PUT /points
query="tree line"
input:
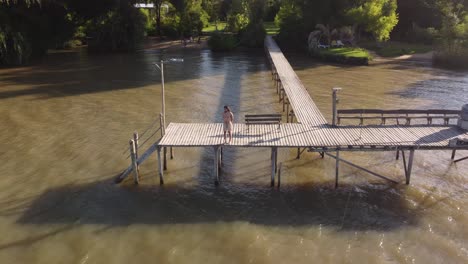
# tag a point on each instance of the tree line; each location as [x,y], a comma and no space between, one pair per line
[29,27]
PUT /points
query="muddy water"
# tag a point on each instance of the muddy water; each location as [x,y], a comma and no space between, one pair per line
[65,127]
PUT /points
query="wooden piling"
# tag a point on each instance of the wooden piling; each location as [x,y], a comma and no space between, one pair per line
[453,154]
[279,174]
[410,166]
[172,153]
[397,154]
[335,102]
[216,168]
[163,132]
[136,140]
[160,167]
[273,165]
[219,158]
[298,153]
[136,178]
[165,157]
[337,168]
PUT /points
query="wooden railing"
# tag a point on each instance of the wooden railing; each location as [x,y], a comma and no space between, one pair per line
[397,115]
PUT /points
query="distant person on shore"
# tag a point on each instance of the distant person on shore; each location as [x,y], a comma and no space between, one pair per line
[228,118]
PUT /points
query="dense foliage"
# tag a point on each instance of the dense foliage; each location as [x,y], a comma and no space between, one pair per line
[29,27]
[222,42]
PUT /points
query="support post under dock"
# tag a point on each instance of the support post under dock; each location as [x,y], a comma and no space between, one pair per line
[410,166]
[160,167]
[274,152]
[337,168]
[216,165]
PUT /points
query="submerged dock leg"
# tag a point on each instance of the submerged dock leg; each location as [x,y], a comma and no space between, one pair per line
[160,167]
[172,152]
[273,165]
[410,166]
[397,155]
[216,167]
[165,158]
[337,168]
[298,153]
[453,154]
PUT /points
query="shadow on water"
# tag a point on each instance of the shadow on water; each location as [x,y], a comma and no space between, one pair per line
[367,207]
[76,73]
[234,71]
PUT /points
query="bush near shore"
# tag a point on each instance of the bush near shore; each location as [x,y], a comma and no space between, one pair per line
[222,42]
[451,59]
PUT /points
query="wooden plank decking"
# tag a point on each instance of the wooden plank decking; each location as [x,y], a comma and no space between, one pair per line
[298,135]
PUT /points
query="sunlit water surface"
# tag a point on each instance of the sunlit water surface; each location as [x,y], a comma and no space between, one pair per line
[65,125]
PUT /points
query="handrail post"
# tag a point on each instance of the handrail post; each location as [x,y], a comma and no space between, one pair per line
[135,139]
[134,161]
[335,102]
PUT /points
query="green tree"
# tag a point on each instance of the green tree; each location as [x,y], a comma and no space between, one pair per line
[193,18]
[378,17]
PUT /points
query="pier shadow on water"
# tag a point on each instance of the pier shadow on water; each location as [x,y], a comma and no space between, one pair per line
[365,207]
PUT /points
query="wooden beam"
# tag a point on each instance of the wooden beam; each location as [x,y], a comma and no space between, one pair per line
[458,160]
[361,168]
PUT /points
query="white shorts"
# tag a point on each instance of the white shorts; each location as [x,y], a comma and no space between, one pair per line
[227,126]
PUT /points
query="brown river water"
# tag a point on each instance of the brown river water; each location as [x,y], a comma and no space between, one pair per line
[66,121]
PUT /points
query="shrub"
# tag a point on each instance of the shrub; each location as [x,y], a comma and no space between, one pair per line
[222,42]
[423,35]
[14,48]
[455,58]
[253,35]
[292,34]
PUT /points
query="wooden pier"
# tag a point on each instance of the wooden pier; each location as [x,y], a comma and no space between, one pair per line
[312,132]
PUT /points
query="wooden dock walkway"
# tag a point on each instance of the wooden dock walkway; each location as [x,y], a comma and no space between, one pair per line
[299,135]
[304,107]
[312,132]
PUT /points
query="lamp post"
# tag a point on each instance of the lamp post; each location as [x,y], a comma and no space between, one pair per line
[161,68]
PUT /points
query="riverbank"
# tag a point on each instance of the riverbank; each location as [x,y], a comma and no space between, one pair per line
[154,43]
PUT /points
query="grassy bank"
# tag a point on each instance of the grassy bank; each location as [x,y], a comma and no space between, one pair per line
[346,55]
[395,49]
[212,27]
[271,28]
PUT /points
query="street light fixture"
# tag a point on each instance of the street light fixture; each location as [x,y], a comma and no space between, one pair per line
[161,67]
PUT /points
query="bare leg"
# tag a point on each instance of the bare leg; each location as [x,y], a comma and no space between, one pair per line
[230,136]
[224,136]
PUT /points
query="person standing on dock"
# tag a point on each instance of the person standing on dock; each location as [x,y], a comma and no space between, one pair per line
[228,118]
